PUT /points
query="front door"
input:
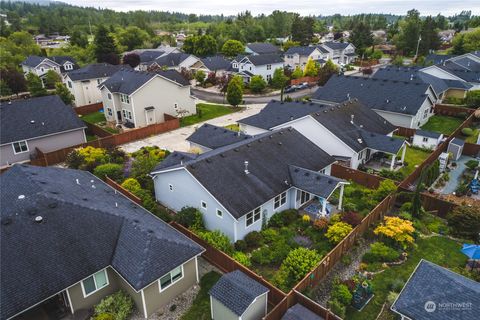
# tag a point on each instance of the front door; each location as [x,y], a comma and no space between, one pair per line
[119,116]
[150,117]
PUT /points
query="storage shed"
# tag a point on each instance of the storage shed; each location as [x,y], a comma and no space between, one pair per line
[427,139]
[456,147]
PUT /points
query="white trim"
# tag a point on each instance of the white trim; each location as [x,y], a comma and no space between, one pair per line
[172,282]
[280,200]
[211,307]
[256,298]
[144,303]
[219,215]
[26,145]
[196,269]
[69,301]
[202,203]
[85,295]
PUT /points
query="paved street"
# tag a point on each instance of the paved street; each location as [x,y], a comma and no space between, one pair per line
[175,140]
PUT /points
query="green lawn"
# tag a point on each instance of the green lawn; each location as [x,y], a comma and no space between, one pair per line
[200,310]
[94,117]
[439,250]
[206,112]
[413,157]
[442,124]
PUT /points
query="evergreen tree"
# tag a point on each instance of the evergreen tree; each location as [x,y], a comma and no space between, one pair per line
[325,72]
[79,39]
[104,45]
[409,34]
[279,81]
[35,85]
[430,38]
[51,78]
[302,30]
[205,46]
[4,89]
[361,37]
[235,91]
[62,91]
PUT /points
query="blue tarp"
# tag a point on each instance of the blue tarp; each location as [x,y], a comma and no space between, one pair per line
[471,250]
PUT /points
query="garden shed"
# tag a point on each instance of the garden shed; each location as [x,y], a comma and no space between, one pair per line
[456,147]
[237,296]
[427,139]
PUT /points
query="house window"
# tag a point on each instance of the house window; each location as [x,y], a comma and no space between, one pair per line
[94,283]
[280,200]
[170,187]
[170,278]
[269,77]
[41,69]
[253,216]
[124,113]
[360,155]
[304,197]
[235,65]
[109,112]
[269,67]
[425,139]
[69,84]
[204,204]
[322,171]
[130,115]
[20,147]
[124,98]
[219,213]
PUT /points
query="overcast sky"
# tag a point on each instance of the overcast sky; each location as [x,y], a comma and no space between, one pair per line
[304,7]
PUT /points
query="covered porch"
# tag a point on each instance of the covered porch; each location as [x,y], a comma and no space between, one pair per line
[386,156]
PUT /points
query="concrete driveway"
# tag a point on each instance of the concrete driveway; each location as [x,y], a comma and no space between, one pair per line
[175,140]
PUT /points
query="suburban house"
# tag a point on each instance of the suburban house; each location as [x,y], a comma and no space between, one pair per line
[148,56]
[138,99]
[40,65]
[83,83]
[257,65]
[241,186]
[427,139]
[236,296]
[209,137]
[444,88]
[340,52]
[350,132]
[299,56]
[217,64]
[434,292]
[465,68]
[176,61]
[69,240]
[261,48]
[403,103]
[299,312]
[46,123]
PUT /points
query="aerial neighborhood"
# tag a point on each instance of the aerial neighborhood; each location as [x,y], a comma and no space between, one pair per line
[164,162]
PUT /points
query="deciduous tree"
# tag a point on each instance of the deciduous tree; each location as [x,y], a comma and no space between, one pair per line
[35,86]
[62,91]
[235,91]
[231,48]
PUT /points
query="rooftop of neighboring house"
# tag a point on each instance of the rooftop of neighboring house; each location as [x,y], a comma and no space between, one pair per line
[355,124]
[390,95]
[214,137]
[428,134]
[433,283]
[461,71]
[299,312]
[263,59]
[263,47]
[172,59]
[335,45]
[95,71]
[434,58]
[237,291]
[301,50]
[25,119]
[60,226]
[62,59]
[414,74]
[468,63]
[33,61]
[127,81]
[269,157]
[150,55]
[215,63]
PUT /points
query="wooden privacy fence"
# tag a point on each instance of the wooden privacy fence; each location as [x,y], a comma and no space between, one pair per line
[304,79]
[405,132]
[89,108]
[58,156]
[122,190]
[225,263]
[96,130]
[451,110]
[365,179]
[431,203]
[471,149]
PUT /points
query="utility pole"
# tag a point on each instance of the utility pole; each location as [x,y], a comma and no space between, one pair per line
[418,45]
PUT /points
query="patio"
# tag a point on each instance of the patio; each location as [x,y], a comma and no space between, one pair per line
[382,160]
[314,209]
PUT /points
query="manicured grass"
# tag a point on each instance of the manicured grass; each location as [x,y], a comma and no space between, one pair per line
[442,124]
[200,309]
[413,157]
[94,117]
[206,112]
[439,250]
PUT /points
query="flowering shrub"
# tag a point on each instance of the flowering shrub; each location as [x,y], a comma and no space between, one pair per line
[321,223]
[397,229]
[338,231]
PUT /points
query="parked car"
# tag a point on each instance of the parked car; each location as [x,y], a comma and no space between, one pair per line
[303,85]
[289,89]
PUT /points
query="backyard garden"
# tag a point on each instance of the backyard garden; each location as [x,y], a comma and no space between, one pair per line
[98,118]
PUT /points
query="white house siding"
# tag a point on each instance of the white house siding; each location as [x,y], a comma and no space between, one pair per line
[220,311]
[397,119]
[251,130]
[45,144]
[187,191]
[431,143]
[41,69]
[439,73]
[262,70]
[85,91]
[113,104]
[257,310]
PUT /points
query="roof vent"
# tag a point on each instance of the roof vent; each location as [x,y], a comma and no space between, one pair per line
[32,121]
[360,140]
[291,118]
[246,167]
[352,116]
[38,219]
[22,196]
[280,143]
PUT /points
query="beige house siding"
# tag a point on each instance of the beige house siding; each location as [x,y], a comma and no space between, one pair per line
[220,312]
[257,309]
[85,92]
[454,93]
[154,299]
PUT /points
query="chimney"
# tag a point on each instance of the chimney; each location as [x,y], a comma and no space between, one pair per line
[246,167]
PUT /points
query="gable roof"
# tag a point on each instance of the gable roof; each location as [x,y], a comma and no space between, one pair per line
[86,226]
[25,119]
[334,45]
[61,60]
[434,58]
[432,283]
[301,50]
[299,312]
[172,59]
[263,47]
[468,63]
[269,156]
[237,291]
[393,96]
[150,55]
[262,59]
[174,76]
[314,182]
[460,71]
[215,63]
[213,137]
[175,159]
[429,134]
[94,71]
[33,61]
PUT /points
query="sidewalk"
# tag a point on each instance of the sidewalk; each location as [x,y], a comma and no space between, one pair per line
[175,140]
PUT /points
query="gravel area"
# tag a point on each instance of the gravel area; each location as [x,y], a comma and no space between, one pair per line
[342,271]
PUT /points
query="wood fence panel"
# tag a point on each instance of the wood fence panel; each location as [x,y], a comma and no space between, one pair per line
[96,130]
[89,108]
[471,149]
[365,179]
[123,191]
[405,132]
[451,110]
[304,79]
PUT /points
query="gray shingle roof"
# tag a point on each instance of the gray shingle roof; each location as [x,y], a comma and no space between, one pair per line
[336,45]
[213,137]
[216,63]
[174,159]
[269,156]
[49,114]
[263,47]
[84,229]
[314,182]
[149,55]
[62,59]
[237,291]
[94,71]
[301,50]
[172,59]
[460,71]
[33,61]
[430,282]
[438,58]
[458,142]
[175,76]
[468,63]
[299,312]
[392,96]
[263,59]
[429,134]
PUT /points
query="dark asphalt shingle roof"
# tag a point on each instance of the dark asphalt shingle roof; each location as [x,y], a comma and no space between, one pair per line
[263,47]
[429,134]
[431,282]
[301,50]
[33,61]
[461,72]
[237,291]
[269,156]
[336,45]
[213,137]
[175,76]
[381,142]
[299,312]
[380,94]
[172,59]
[458,142]
[84,229]
[438,58]
[174,159]
[49,114]
[468,63]
[94,71]
[262,59]
[62,59]
[149,55]
[314,182]
[215,63]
